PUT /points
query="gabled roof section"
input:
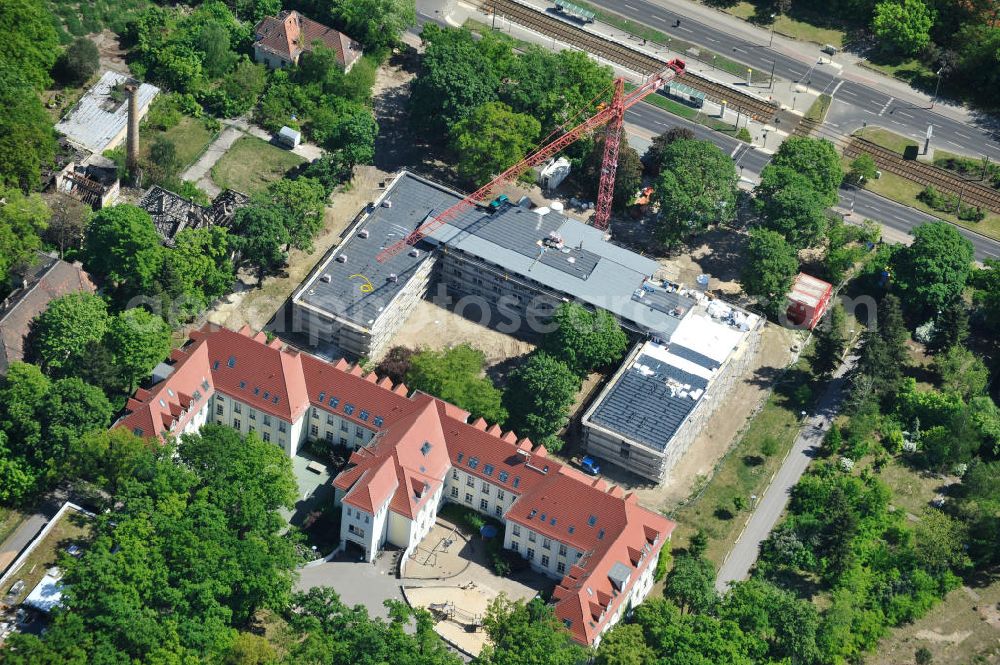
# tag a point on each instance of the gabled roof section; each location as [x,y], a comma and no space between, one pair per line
[374,487]
[49,279]
[289,34]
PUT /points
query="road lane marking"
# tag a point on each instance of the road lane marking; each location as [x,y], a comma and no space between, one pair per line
[685,28]
[962,135]
[953,143]
[631,7]
[867,111]
[837,87]
[735,150]
[848,92]
[904,114]
[887,104]
[658,18]
[738,49]
[712,39]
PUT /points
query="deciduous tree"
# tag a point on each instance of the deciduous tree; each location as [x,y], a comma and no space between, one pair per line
[831,342]
[522,633]
[903,26]
[696,188]
[27,139]
[456,375]
[22,219]
[377,24]
[770,265]
[628,174]
[122,249]
[652,160]
[585,340]
[138,341]
[934,269]
[78,62]
[63,331]
[817,160]
[30,45]
[788,204]
[691,584]
[491,139]
[538,399]
[258,235]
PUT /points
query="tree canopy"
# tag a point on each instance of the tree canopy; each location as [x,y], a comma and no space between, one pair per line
[491,139]
[696,188]
[585,340]
[903,25]
[22,219]
[27,139]
[770,266]
[30,45]
[817,160]
[526,634]
[789,204]
[78,62]
[538,398]
[934,269]
[456,375]
[377,24]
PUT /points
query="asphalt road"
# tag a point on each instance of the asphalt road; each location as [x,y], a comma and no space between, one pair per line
[744,554]
[865,103]
[864,203]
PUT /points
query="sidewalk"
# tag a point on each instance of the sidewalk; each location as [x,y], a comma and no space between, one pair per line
[745,551]
[456,15]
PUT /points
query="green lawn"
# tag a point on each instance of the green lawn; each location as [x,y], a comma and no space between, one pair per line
[886,139]
[747,470]
[817,112]
[9,520]
[914,72]
[251,164]
[190,137]
[796,28]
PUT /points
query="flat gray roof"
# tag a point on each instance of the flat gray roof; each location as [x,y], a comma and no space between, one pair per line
[97,119]
[587,267]
[643,407]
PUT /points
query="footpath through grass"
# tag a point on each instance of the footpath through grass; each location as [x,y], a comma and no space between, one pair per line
[747,469]
[190,137]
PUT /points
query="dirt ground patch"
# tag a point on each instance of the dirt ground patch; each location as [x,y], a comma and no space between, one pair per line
[434,327]
[111,53]
[963,629]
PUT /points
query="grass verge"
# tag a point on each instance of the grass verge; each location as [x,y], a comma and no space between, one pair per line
[914,72]
[797,28]
[888,140]
[10,519]
[904,191]
[748,467]
[817,112]
[688,113]
[251,164]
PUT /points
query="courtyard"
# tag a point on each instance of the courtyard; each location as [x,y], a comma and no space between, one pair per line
[450,574]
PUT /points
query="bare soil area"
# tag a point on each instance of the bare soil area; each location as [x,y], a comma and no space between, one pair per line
[963,629]
[111,53]
[433,327]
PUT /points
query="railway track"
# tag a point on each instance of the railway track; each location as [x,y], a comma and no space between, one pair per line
[970,192]
[758,109]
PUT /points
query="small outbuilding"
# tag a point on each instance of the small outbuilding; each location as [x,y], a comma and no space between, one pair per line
[289,138]
[808,300]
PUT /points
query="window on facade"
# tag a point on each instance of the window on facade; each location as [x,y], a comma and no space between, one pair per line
[253,414]
[329,419]
[561,568]
[516,530]
[515,546]
[237,408]
[218,409]
[545,560]
[359,431]
[454,492]
[267,436]
[366,518]
[531,536]
[343,440]
[454,474]
[470,481]
[500,495]
[486,489]
[498,511]
[329,437]
[468,498]
[315,412]
[314,430]
[623,452]
[343,425]
[236,423]
[282,426]
[531,554]
[546,543]
[484,504]
[562,549]
[267,421]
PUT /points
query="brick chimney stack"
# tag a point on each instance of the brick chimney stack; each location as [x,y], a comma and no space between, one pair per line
[132,140]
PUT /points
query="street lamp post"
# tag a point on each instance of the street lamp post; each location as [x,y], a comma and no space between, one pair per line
[771,41]
[937,86]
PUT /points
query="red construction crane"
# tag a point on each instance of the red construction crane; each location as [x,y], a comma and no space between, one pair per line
[612,115]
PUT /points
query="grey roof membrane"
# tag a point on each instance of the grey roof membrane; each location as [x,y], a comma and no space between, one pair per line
[588,268]
[642,408]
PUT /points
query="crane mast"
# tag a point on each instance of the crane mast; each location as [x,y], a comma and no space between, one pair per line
[613,116]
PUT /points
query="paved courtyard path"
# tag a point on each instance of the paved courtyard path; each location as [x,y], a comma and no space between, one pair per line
[744,554]
[198,172]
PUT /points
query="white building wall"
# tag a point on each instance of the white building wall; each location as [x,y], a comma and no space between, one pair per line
[368,530]
[485,497]
[533,546]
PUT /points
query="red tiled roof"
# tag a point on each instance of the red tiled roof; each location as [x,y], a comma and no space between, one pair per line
[289,34]
[49,280]
[374,487]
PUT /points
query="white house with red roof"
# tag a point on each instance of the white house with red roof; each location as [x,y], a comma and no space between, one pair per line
[280,40]
[413,452]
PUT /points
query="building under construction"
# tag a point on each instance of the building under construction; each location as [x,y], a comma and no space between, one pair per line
[506,265]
